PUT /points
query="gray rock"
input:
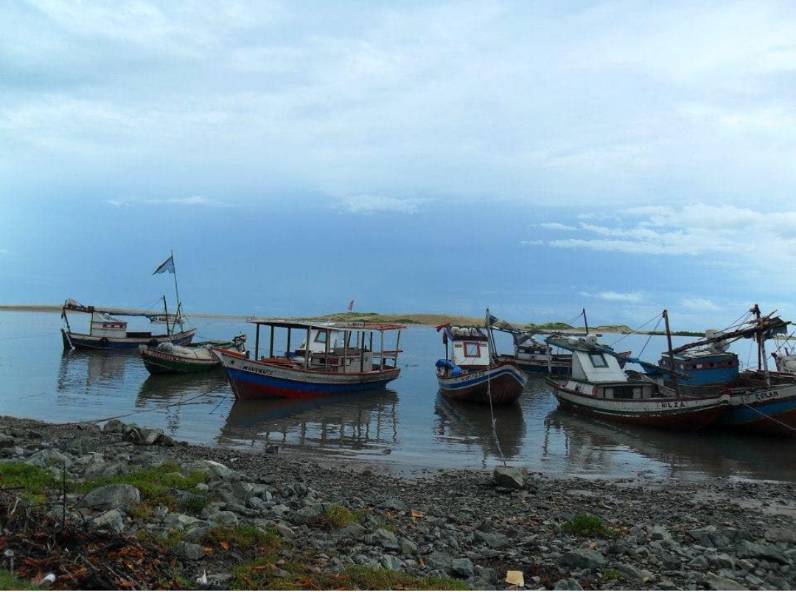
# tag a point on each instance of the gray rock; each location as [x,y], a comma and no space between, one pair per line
[583,559]
[439,560]
[196,532]
[462,568]
[567,584]
[391,562]
[308,514]
[114,426]
[778,534]
[48,458]
[189,551]
[493,540]
[386,539]
[394,504]
[112,520]
[714,582]
[214,470]
[509,477]
[147,437]
[352,531]
[765,551]
[109,497]
[224,518]
[660,533]
[179,521]
[285,530]
[407,547]
[630,572]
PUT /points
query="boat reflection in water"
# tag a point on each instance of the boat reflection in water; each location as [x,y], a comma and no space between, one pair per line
[84,372]
[173,393]
[604,449]
[365,423]
[465,424]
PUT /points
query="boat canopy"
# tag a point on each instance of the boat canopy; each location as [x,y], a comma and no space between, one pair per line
[330,325]
[71,305]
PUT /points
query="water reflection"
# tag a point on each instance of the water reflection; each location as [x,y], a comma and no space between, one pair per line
[468,424]
[82,371]
[606,448]
[173,393]
[362,422]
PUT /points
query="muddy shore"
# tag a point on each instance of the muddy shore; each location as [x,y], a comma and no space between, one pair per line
[222,518]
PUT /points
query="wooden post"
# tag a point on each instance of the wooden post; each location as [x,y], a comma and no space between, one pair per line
[257,343]
[361,338]
[381,349]
[326,350]
[307,352]
[345,351]
[397,346]
[671,354]
[271,344]
[287,351]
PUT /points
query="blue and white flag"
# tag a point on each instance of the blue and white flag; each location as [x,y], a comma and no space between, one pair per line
[167,265]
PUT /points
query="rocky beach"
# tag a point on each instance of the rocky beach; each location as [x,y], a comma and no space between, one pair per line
[121,506]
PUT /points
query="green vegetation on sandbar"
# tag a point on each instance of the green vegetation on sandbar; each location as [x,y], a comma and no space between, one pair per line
[9,581]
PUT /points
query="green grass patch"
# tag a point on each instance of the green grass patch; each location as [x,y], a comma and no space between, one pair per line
[167,539]
[192,504]
[9,581]
[33,481]
[263,574]
[154,483]
[338,516]
[589,525]
[243,537]
[611,574]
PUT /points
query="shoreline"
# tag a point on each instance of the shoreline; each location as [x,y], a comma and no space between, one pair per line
[359,526]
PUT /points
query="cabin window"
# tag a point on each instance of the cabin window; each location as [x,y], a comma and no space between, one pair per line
[598,361]
[320,337]
[623,392]
[472,350]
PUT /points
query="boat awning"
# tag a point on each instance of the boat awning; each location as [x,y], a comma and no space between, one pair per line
[330,325]
[125,312]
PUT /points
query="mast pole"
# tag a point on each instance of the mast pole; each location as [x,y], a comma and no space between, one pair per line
[166,310]
[671,354]
[762,362]
[176,293]
[585,321]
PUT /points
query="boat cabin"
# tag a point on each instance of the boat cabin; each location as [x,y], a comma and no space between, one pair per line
[466,346]
[334,347]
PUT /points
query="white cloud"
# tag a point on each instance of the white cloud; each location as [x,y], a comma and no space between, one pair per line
[699,304]
[557,226]
[371,204]
[193,200]
[611,296]
[531,243]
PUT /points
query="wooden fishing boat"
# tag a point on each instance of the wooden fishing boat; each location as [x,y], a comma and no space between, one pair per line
[109,333]
[106,332]
[472,372]
[761,401]
[168,358]
[335,358]
[600,388]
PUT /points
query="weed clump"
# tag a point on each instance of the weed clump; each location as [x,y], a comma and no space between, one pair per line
[589,525]
[338,516]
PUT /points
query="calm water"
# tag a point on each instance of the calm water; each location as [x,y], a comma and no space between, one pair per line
[408,425]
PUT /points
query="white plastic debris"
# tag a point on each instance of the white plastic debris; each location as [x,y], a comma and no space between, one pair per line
[515,578]
[47,580]
[203,578]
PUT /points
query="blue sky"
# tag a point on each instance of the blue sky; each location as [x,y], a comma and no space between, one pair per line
[533,157]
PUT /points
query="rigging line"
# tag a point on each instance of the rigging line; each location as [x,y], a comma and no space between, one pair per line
[649,337]
[637,329]
[492,413]
[739,321]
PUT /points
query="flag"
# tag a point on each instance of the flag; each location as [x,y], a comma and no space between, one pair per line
[351,306]
[167,265]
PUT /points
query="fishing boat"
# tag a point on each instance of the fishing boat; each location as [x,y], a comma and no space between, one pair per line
[167,358]
[761,401]
[471,370]
[601,388]
[335,358]
[106,332]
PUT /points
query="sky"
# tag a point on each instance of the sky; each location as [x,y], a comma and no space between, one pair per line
[533,157]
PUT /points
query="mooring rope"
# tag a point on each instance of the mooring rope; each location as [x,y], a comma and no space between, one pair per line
[492,414]
[774,419]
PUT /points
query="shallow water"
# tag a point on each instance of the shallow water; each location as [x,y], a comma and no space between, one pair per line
[409,425]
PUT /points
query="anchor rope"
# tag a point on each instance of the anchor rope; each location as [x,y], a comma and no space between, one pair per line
[492,414]
[774,419]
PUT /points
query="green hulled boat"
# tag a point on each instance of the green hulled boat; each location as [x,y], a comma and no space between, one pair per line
[167,358]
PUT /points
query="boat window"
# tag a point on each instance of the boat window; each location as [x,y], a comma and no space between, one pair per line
[598,361]
[320,337]
[472,350]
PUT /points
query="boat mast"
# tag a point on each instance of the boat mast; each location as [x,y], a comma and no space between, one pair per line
[762,362]
[490,336]
[176,294]
[585,320]
[166,311]
[671,353]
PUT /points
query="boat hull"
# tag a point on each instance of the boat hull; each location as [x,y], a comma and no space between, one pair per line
[92,342]
[686,414]
[158,362]
[504,383]
[253,380]
[768,412]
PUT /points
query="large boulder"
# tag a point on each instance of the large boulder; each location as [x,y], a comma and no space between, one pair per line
[48,458]
[110,497]
[214,470]
[583,559]
[462,568]
[112,520]
[510,477]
